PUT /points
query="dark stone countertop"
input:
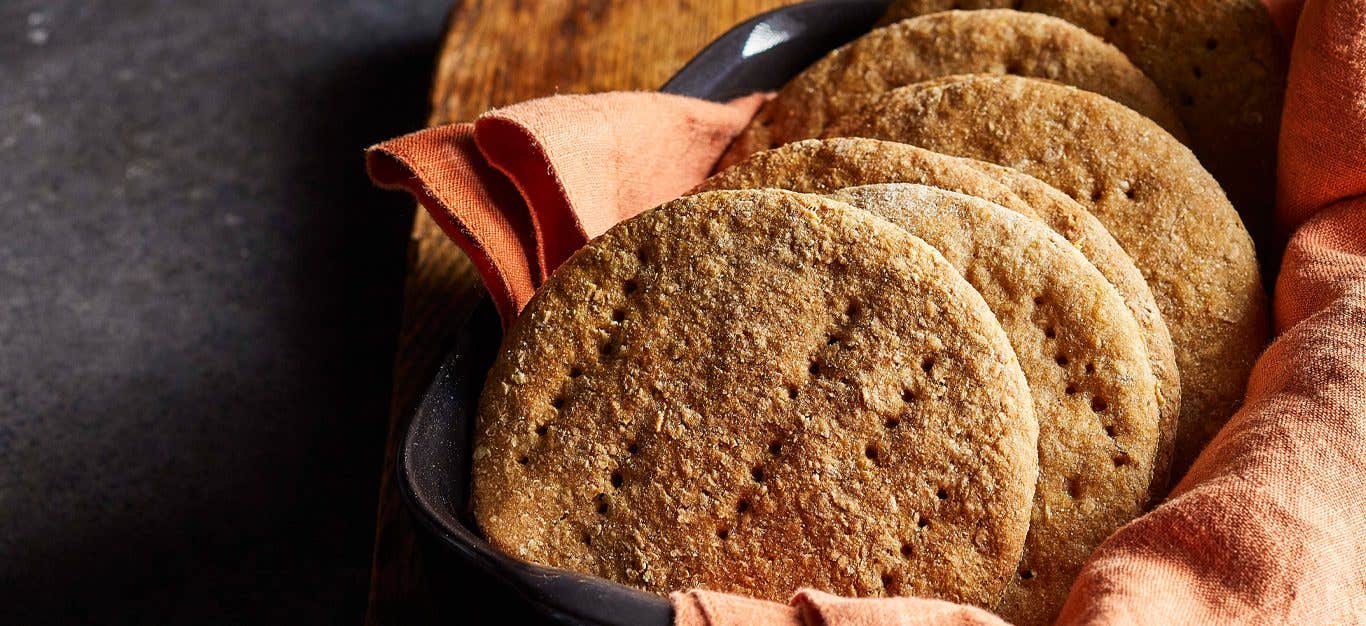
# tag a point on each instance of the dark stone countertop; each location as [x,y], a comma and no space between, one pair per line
[199,293]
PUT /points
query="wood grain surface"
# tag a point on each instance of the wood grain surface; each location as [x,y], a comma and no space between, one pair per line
[497,52]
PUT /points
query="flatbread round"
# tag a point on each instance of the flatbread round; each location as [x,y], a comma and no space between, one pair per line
[1220,63]
[756,391]
[1145,187]
[1071,220]
[1094,391]
[944,44]
[825,165]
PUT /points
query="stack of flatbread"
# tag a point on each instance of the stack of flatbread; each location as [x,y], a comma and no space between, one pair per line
[959,303]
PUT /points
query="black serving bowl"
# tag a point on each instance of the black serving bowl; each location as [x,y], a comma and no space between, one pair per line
[760,54]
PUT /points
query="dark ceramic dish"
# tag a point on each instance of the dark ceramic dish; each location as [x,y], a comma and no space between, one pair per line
[760,54]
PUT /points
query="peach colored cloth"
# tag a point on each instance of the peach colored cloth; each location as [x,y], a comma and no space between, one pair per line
[522,187]
[1269,525]
[815,608]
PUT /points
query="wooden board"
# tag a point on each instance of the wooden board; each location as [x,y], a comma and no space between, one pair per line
[497,52]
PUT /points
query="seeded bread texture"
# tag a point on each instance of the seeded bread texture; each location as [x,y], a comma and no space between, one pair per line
[943,44]
[1145,187]
[825,165]
[1071,220]
[756,391]
[1094,392]
[1220,63]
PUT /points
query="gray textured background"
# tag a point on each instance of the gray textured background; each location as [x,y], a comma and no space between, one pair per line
[198,298]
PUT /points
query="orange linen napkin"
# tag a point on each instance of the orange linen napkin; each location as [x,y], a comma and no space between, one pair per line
[1269,525]
[523,187]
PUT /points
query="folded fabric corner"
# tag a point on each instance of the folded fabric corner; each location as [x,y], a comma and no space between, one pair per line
[709,608]
[525,186]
